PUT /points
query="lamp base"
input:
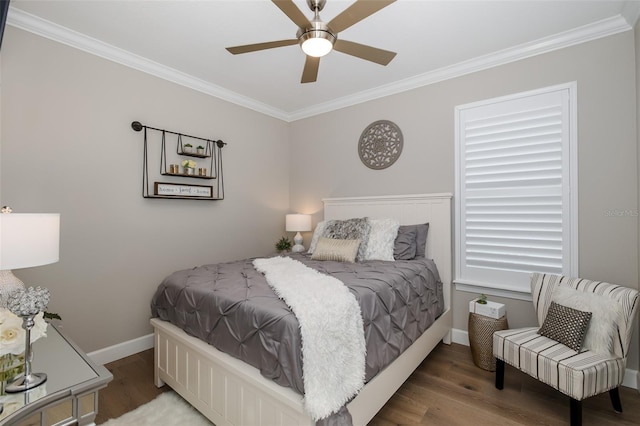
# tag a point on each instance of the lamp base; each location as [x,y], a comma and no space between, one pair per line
[8,284]
[298,247]
[26,382]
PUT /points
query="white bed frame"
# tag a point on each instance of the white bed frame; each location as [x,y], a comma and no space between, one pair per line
[230,392]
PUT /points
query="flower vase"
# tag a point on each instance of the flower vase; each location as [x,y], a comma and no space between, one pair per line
[11,366]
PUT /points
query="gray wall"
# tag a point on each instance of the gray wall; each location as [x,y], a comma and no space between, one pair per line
[325,161]
[68,148]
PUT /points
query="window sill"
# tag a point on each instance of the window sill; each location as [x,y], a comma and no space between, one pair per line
[494,290]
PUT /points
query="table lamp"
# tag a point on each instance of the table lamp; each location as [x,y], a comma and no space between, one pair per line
[26,240]
[298,223]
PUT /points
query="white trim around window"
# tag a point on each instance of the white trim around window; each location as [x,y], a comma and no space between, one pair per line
[516,186]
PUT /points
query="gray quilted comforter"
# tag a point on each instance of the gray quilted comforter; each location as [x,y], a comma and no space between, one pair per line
[231,306]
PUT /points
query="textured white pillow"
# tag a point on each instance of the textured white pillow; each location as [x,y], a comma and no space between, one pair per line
[606,313]
[316,234]
[381,239]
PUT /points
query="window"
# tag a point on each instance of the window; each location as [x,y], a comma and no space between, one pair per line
[516,176]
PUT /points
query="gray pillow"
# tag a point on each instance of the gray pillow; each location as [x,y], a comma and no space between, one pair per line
[411,242]
[421,240]
[565,325]
[350,229]
[404,247]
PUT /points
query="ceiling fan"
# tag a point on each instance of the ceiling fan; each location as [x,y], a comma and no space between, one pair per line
[318,38]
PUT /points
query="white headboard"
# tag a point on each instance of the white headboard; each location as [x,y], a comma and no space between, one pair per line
[409,210]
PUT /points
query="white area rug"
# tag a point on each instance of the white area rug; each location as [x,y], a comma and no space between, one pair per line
[168,409]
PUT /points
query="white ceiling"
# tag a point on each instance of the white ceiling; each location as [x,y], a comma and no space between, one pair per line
[184,41]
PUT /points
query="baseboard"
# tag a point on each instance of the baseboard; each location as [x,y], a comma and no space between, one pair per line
[631,377]
[460,337]
[121,350]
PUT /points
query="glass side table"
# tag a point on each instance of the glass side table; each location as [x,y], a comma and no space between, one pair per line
[70,394]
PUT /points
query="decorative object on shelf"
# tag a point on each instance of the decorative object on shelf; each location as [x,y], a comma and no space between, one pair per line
[200,150]
[212,151]
[189,167]
[380,144]
[26,240]
[27,303]
[298,223]
[283,245]
[187,148]
[182,190]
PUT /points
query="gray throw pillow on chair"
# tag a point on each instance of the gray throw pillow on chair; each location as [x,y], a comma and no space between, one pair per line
[565,325]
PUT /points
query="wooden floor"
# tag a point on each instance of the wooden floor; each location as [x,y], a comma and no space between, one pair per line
[447,389]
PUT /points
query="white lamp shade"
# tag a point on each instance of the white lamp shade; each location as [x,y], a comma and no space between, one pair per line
[298,223]
[28,240]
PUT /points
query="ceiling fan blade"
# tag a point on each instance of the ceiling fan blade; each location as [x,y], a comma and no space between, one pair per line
[261,46]
[362,51]
[291,10]
[356,13]
[310,72]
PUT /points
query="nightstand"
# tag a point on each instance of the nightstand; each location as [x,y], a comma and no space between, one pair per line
[70,394]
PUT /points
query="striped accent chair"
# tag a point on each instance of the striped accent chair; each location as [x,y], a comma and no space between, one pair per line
[576,374]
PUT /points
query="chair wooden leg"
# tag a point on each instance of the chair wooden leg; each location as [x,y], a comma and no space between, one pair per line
[576,412]
[615,400]
[499,374]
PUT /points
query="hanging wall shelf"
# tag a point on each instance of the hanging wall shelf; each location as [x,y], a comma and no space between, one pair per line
[182,166]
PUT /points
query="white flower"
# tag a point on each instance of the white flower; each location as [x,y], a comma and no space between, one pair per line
[12,335]
[189,164]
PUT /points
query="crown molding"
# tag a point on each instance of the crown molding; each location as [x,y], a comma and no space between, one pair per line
[596,30]
[606,27]
[631,12]
[47,29]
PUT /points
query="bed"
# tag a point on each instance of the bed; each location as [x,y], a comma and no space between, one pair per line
[231,392]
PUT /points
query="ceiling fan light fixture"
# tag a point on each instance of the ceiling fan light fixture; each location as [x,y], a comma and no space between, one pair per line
[317,43]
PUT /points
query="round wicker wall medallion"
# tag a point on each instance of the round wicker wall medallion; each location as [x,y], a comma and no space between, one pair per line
[380,144]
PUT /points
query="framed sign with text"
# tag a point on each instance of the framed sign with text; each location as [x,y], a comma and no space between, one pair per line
[181,190]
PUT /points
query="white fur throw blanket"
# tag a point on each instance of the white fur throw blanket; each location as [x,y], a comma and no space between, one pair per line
[333,345]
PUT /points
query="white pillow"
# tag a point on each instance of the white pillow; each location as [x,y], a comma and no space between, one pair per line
[605,315]
[381,239]
[316,234]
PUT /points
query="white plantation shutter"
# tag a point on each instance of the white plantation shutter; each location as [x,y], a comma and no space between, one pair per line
[514,183]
